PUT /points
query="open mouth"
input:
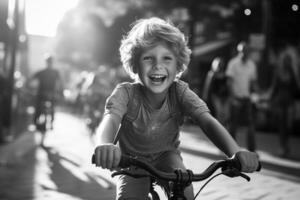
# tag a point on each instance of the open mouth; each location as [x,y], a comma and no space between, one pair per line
[157,78]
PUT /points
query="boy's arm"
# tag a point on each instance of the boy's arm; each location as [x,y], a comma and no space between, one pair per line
[107,155]
[221,138]
[217,134]
[108,129]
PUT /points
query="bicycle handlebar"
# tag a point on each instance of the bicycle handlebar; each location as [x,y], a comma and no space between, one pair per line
[230,167]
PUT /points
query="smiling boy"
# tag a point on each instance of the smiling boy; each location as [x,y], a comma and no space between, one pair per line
[144,116]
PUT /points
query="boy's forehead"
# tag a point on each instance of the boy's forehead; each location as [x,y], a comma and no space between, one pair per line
[162,45]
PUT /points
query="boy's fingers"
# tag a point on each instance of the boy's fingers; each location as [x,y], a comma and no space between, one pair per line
[110,158]
[254,162]
[107,156]
[248,161]
[117,157]
[97,157]
[103,158]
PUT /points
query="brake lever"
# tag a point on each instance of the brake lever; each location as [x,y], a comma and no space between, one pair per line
[245,176]
[235,173]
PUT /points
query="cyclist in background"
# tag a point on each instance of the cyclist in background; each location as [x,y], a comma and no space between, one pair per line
[49,86]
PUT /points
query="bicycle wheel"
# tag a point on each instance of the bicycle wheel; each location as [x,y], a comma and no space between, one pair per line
[41,122]
[153,195]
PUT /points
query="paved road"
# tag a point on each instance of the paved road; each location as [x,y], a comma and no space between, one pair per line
[63,171]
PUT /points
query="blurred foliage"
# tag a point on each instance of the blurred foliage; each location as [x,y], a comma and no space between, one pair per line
[90,34]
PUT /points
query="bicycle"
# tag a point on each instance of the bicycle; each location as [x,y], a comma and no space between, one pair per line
[44,119]
[179,179]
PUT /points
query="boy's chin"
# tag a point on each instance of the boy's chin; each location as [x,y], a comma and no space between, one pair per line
[158,89]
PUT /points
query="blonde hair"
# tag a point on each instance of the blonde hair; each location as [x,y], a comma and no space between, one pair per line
[147,33]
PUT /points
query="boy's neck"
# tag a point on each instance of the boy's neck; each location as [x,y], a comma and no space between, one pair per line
[155,100]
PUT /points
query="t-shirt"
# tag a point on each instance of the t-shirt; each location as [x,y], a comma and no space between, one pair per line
[154,130]
[242,74]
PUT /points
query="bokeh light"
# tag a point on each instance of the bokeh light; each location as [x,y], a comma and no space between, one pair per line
[295,7]
[247,12]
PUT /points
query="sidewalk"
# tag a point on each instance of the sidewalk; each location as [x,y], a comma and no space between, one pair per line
[194,141]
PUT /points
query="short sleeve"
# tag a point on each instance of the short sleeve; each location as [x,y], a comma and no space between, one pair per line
[191,103]
[117,102]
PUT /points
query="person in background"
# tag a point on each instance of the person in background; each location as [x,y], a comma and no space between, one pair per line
[49,87]
[144,116]
[241,75]
[215,92]
[3,97]
[291,51]
[281,94]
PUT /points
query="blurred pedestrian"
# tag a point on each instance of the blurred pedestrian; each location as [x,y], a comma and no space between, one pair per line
[3,98]
[49,86]
[102,84]
[285,83]
[242,75]
[215,91]
[290,50]
[81,89]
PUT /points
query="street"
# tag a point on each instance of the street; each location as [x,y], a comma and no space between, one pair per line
[63,170]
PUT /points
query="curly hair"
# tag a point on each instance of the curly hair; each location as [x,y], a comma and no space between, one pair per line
[147,33]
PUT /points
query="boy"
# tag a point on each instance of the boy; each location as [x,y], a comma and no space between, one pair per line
[144,116]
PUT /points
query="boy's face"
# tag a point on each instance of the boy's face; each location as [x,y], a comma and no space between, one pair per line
[157,68]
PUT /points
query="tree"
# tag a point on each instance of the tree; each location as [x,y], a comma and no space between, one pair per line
[81,39]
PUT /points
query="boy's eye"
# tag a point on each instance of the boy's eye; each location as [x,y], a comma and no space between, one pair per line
[147,58]
[168,58]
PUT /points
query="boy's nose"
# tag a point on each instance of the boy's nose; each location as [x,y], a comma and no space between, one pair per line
[157,65]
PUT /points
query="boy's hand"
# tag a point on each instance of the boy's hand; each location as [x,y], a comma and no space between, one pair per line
[107,156]
[248,160]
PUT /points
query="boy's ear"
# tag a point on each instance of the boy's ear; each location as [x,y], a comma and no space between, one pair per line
[178,69]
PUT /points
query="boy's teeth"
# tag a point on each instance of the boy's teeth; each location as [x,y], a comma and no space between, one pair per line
[157,76]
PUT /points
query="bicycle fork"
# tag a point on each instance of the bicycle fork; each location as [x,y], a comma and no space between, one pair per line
[177,191]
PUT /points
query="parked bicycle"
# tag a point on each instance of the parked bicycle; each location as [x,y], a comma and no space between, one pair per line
[179,179]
